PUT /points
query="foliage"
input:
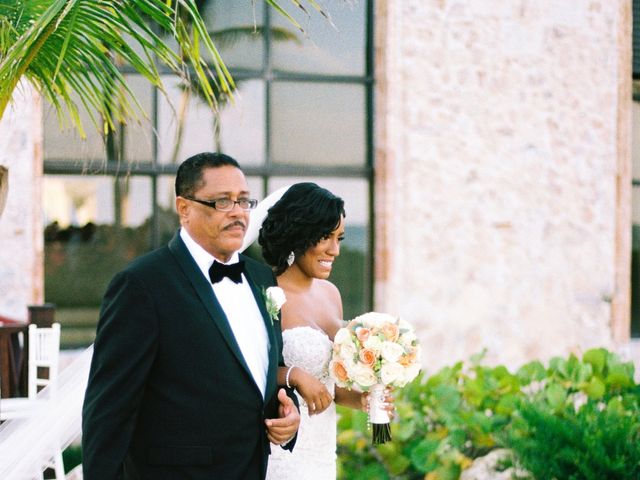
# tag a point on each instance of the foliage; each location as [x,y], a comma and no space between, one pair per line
[597,441]
[71,47]
[69,51]
[466,410]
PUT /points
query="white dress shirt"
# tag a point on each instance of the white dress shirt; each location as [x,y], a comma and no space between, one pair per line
[242,311]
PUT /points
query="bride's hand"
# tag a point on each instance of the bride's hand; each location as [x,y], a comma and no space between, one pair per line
[313,391]
[388,404]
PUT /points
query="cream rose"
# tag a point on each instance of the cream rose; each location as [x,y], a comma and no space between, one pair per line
[373,343]
[391,372]
[391,352]
[363,375]
[343,336]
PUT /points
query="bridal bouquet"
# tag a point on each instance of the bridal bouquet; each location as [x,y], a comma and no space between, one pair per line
[374,351]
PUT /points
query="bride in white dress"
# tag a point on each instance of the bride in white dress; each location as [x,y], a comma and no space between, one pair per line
[300,239]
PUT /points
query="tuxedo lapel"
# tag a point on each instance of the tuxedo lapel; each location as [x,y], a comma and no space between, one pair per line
[205,294]
[273,351]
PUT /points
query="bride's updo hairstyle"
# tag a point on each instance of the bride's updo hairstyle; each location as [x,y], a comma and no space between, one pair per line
[304,215]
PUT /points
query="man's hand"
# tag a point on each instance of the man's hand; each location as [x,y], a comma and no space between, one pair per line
[281,430]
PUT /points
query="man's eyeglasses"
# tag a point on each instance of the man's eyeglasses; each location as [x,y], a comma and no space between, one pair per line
[226,204]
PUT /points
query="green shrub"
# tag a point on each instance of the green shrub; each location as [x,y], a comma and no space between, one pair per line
[466,410]
[595,442]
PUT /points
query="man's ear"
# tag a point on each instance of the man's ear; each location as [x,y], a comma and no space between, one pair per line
[182,207]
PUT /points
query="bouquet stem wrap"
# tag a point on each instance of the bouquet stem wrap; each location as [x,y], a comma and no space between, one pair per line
[378,416]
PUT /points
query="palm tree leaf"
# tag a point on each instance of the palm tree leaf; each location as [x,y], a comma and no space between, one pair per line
[56,44]
[69,50]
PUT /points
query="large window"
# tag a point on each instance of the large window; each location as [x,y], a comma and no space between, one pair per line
[303,111]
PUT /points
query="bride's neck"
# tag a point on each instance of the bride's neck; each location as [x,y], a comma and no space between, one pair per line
[295,278]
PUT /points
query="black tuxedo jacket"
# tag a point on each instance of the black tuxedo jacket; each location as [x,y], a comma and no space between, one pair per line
[169,394]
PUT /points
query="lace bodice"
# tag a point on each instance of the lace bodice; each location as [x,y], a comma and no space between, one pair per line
[314,455]
[310,349]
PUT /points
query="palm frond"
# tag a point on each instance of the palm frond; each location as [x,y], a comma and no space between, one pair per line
[69,49]
[228,36]
[69,46]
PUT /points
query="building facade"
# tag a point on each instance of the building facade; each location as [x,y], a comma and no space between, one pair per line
[493,164]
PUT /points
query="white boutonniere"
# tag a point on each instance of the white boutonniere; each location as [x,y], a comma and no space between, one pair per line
[274,298]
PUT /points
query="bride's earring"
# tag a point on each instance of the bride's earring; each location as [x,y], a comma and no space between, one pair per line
[291,258]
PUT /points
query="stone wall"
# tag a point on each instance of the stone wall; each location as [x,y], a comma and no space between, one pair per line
[498,150]
[21,241]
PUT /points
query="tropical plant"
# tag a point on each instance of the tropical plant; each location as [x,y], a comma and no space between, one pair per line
[464,411]
[68,49]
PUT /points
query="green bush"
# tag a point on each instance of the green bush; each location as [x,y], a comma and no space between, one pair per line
[466,410]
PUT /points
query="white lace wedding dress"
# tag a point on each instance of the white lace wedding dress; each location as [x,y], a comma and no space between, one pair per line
[314,455]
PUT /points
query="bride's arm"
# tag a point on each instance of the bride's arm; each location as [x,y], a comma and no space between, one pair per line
[360,400]
[312,390]
[351,398]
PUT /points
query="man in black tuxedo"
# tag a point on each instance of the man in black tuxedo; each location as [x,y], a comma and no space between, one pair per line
[183,376]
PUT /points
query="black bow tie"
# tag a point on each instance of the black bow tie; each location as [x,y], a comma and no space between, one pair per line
[218,271]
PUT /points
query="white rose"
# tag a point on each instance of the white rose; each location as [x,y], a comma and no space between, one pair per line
[347,352]
[410,373]
[343,336]
[375,319]
[390,372]
[363,375]
[373,343]
[391,352]
[407,338]
[277,296]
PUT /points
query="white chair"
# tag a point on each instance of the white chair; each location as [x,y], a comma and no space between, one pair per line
[44,355]
[43,360]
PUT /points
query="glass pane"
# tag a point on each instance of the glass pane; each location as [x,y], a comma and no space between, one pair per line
[319,124]
[351,271]
[63,143]
[185,124]
[236,31]
[138,133]
[95,225]
[242,129]
[635,265]
[326,49]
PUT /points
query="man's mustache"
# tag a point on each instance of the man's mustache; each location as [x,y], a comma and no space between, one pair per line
[237,223]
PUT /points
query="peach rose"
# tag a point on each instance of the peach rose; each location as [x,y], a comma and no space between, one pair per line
[339,371]
[391,331]
[363,334]
[368,357]
[407,359]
